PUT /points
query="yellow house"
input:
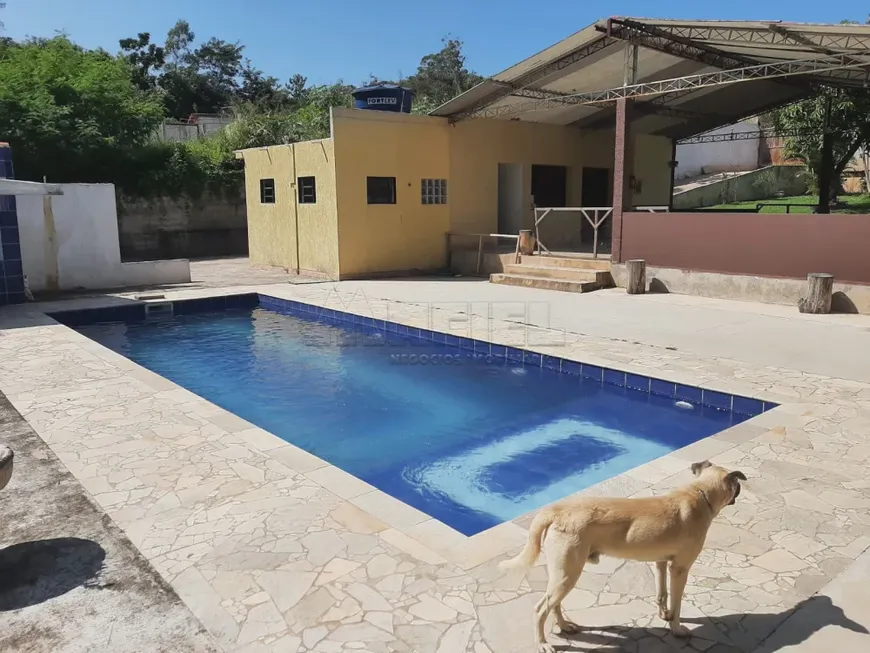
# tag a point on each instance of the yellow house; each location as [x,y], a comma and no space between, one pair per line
[379,196]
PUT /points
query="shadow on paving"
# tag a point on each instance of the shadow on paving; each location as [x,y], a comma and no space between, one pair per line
[733,633]
[33,572]
[70,580]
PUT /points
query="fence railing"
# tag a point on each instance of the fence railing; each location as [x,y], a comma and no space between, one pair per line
[594,215]
[480,240]
[653,209]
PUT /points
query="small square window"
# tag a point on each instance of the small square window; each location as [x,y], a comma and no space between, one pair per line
[433,191]
[381,190]
[267,191]
[307,190]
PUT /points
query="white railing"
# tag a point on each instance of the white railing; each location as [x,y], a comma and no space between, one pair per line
[653,209]
[595,216]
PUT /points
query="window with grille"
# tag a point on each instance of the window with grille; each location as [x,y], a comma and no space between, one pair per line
[433,191]
[307,190]
[267,191]
[381,190]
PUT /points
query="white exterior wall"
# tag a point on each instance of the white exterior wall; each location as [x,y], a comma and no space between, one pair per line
[70,242]
[725,156]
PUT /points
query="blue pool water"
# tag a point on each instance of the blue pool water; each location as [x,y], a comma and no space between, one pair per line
[470,441]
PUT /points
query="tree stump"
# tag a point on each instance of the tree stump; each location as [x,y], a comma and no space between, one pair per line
[820,287]
[636,270]
[527,242]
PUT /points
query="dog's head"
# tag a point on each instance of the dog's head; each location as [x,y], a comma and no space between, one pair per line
[728,483]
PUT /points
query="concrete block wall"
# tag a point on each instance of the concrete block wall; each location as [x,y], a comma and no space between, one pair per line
[11,269]
[166,228]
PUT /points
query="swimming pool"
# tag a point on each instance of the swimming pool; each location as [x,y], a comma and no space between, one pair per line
[471,437]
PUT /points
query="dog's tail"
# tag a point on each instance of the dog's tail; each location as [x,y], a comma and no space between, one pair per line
[530,553]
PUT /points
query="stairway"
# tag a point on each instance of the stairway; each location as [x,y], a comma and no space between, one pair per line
[565,273]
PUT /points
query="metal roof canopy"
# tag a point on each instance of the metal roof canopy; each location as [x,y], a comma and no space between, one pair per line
[684,77]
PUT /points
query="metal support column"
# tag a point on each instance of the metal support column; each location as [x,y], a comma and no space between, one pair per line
[623,154]
[630,71]
[623,164]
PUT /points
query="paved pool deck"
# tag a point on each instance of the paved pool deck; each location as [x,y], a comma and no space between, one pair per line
[274,550]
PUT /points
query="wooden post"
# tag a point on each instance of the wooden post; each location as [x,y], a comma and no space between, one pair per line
[820,287]
[479,253]
[636,270]
[527,243]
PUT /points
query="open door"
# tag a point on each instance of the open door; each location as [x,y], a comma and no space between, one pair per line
[510,198]
[595,192]
[549,186]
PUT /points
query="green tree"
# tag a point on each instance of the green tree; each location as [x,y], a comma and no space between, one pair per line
[203,79]
[844,113]
[263,90]
[68,111]
[849,124]
[443,75]
[145,59]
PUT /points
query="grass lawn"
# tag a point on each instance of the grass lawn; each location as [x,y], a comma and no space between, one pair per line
[803,204]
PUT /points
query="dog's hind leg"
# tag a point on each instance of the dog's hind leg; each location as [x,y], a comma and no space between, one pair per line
[679,574]
[565,561]
[662,587]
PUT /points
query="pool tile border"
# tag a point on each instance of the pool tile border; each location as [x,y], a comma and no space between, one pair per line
[741,405]
[134,311]
[466,551]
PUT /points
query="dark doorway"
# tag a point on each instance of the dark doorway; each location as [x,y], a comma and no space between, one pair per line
[549,186]
[596,192]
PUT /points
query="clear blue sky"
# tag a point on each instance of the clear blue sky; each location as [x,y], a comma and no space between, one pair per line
[327,40]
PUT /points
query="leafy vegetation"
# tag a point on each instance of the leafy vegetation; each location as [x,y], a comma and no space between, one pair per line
[849,123]
[845,113]
[78,115]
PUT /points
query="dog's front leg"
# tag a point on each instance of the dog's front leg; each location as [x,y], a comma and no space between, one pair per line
[679,574]
[662,587]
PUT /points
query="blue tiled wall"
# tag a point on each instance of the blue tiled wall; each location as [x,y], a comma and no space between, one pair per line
[11,270]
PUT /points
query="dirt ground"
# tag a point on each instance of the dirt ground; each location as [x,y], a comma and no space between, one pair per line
[70,580]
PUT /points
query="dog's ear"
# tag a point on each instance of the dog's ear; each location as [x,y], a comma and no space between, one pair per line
[697,468]
[738,475]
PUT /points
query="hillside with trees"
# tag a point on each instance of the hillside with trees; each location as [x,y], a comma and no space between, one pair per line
[79,115]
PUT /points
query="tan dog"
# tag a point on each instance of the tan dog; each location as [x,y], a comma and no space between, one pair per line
[666,529]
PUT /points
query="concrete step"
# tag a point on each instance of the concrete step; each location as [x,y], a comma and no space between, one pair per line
[568,262]
[543,284]
[554,272]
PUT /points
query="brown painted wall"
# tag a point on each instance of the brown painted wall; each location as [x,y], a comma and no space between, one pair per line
[772,245]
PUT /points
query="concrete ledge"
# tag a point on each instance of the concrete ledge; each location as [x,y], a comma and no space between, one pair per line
[147,273]
[848,298]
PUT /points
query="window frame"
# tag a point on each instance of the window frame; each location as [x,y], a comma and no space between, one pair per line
[394,189]
[303,196]
[433,192]
[264,189]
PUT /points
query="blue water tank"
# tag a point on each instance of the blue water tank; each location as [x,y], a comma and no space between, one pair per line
[384,97]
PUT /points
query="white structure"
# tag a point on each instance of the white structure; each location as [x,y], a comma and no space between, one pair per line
[17,187]
[197,126]
[69,241]
[698,159]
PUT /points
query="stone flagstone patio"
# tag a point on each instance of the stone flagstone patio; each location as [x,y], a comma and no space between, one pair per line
[273,549]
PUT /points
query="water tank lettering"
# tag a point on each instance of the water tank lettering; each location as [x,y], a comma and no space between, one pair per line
[383,97]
